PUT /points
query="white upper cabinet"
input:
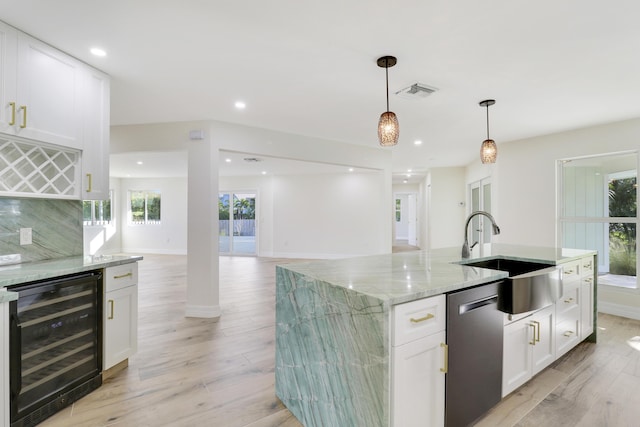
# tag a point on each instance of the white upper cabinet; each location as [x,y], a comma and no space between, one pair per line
[8,70]
[42,91]
[95,135]
[50,97]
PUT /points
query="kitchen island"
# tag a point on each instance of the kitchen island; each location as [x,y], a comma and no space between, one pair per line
[336,337]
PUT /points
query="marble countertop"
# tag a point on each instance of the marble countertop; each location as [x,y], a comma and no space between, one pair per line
[31,271]
[407,276]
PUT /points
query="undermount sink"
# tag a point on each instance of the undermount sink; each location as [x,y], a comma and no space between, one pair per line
[530,285]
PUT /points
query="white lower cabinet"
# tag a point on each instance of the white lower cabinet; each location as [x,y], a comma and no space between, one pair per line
[568,311]
[528,348]
[418,363]
[120,322]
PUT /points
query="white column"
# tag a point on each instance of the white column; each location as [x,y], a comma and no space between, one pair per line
[203,288]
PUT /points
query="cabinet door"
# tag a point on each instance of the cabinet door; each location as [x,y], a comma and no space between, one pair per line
[516,366]
[8,45]
[95,136]
[544,350]
[418,382]
[120,325]
[586,297]
[48,94]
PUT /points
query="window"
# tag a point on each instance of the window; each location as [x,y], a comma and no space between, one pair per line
[144,207]
[398,210]
[598,210]
[97,212]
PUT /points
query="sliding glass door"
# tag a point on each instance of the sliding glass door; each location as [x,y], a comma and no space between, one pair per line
[237,223]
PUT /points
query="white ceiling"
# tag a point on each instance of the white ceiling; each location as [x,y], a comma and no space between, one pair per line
[310,67]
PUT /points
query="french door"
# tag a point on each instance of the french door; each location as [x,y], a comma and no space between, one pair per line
[237,223]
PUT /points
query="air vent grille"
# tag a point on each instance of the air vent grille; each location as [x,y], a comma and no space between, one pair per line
[416,91]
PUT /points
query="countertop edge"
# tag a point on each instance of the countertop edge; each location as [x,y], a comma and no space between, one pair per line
[41,270]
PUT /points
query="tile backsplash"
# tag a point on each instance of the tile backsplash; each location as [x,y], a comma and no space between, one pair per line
[56,227]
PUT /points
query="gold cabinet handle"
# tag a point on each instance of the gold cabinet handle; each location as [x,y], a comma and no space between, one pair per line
[422,319]
[589,279]
[24,116]
[538,330]
[568,272]
[568,333]
[445,369]
[110,309]
[533,338]
[569,301]
[122,276]
[13,113]
[587,265]
[89,182]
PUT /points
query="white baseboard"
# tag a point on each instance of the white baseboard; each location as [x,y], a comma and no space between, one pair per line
[203,311]
[155,251]
[619,310]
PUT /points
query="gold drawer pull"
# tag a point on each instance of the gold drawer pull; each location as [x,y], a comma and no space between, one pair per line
[422,319]
[568,333]
[569,301]
[24,116]
[533,338]
[568,272]
[587,266]
[129,274]
[538,330]
[110,309]
[445,369]
[13,113]
[89,183]
[589,279]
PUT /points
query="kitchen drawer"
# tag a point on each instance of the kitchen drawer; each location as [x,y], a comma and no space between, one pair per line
[586,266]
[568,306]
[571,271]
[567,335]
[418,319]
[121,276]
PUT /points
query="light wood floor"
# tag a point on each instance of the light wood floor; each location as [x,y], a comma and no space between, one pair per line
[201,372]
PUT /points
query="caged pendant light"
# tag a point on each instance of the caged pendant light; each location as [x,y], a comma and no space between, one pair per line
[489,149]
[388,127]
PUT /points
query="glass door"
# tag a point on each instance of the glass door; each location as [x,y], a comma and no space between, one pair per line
[237,223]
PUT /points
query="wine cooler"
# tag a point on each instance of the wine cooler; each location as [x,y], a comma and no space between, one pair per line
[55,345]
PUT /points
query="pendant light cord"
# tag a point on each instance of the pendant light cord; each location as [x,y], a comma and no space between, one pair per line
[386,69]
[488,121]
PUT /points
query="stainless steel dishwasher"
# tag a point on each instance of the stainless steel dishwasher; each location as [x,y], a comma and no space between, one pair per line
[473,383]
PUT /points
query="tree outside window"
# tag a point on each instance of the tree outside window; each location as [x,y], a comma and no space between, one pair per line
[144,206]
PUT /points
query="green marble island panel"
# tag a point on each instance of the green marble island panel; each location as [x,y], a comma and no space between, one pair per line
[332,353]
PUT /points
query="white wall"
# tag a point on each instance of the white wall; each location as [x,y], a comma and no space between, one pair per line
[446,207]
[524,189]
[169,237]
[355,210]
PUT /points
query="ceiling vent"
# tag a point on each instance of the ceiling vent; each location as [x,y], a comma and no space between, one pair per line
[252,159]
[416,91]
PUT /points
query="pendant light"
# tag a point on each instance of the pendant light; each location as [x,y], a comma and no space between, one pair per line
[489,149]
[388,127]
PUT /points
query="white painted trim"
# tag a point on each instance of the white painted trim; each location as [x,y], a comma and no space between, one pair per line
[154,251]
[203,311]
[619,310]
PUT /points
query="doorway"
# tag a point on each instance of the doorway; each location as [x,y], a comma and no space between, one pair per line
[406,218]
[237,223]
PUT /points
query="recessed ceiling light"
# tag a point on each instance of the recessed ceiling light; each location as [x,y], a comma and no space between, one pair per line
[227,160]
[264,172]
[240,105]
[417,142]
[96,51]
[138,162]
[350,169]
[404,181]
[409,170]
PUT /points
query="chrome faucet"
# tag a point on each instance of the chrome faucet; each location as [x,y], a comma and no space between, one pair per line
[465,246]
